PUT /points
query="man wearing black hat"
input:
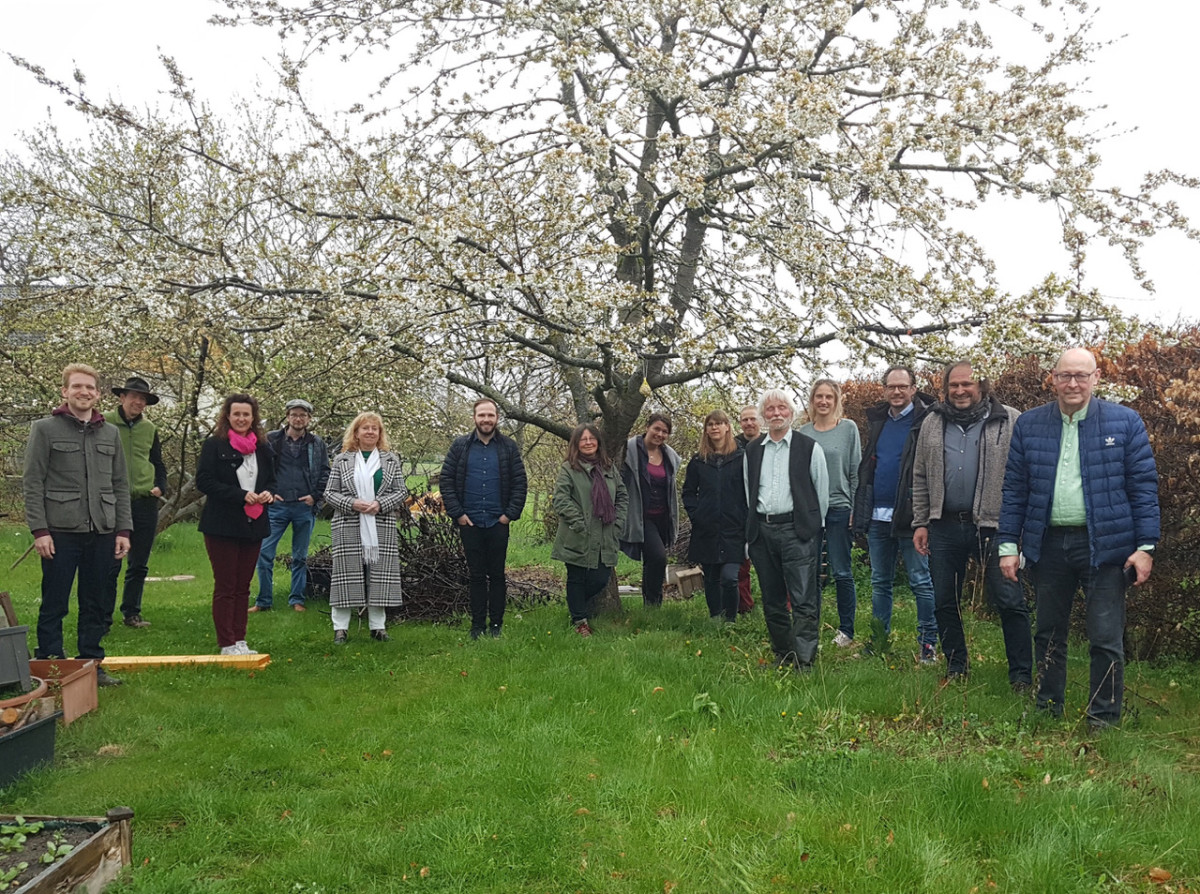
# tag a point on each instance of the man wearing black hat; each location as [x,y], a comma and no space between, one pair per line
[301,473]
[147,485]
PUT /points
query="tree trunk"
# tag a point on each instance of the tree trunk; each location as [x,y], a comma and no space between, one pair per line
[609,602]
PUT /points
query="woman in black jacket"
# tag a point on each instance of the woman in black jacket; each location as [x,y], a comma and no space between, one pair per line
[714,495]
[237,474]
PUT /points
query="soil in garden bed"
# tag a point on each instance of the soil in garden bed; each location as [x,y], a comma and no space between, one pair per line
[53,833]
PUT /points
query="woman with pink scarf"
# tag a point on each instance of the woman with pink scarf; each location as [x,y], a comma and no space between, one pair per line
[237,474]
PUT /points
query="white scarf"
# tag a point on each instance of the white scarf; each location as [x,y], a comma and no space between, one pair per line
[364,486]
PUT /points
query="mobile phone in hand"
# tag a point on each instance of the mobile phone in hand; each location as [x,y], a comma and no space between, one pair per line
[1130,575]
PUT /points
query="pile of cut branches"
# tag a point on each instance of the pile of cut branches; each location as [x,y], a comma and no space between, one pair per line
[433,571]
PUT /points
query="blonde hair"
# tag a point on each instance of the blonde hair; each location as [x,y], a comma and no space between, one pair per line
[350,439]
[708,447]
[72,368]
[837,397]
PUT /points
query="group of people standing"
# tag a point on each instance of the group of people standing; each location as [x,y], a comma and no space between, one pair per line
[1069,486]
[92,484]
[257,484]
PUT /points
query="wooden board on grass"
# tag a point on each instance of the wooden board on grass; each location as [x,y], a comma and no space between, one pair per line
[138,662]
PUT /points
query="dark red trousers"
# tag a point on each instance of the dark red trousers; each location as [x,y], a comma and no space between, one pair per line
[233,561]
[745,600]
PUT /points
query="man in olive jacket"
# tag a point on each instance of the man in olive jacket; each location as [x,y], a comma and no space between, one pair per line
[147,485]
[77,506]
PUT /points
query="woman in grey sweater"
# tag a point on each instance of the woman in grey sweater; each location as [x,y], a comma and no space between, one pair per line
[840,440]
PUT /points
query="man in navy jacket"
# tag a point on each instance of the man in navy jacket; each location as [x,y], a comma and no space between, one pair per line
[483,488]
[301,473]
[883,503]
[1081,499]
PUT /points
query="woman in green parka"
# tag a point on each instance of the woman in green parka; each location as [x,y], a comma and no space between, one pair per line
[590,500]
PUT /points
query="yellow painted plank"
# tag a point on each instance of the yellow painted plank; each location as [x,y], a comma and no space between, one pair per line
[137,662]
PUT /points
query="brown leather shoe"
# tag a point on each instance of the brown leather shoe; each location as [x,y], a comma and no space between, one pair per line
[256,608]
[299,607]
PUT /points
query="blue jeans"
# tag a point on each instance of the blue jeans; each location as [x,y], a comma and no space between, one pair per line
[301,517]
[1064,567]
[788,570]
[951,544]
[837,544]
[883,549]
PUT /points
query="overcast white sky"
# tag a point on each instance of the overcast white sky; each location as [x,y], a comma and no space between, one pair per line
[1146,81]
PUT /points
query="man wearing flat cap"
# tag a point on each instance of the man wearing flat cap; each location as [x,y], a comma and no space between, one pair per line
[147,485]
[301,473]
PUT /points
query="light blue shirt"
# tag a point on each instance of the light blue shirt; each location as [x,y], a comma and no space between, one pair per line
[774,486]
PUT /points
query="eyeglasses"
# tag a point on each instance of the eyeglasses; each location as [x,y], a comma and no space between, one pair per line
[1080,378]
[897,387]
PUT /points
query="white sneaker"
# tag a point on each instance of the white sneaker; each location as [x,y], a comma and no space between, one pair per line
[242,648]
[229,650]
[842,641]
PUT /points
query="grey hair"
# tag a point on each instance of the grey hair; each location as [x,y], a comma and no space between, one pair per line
[775,395]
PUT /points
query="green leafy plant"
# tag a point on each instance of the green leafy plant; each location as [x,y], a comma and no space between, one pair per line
[880,643]
[7,875]
[14,835]
[56,848]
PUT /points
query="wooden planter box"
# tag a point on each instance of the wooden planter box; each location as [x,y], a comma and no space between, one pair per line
[14,657]
[94,863]
[72,682]
[687,578]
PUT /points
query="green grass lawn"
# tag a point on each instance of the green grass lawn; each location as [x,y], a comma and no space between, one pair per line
[658,756]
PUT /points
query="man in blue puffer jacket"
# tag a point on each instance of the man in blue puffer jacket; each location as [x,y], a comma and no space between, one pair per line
[1081,499]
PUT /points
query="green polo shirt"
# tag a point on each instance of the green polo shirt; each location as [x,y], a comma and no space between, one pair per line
[1067,508]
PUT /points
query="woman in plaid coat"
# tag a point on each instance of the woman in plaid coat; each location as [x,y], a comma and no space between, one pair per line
[366,489]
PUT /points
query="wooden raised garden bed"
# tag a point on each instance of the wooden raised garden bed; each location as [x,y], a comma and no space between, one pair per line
[99,848]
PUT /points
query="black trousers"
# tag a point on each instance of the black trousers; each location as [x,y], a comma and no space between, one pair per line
[721,589]
[487,551]
[654,557]
[1064,567]
[951,544]
[583,586]
[91,556]
[789,577]
[137,564]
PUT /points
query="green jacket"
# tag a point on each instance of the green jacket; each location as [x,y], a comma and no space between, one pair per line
[75,479]
[143,454]
[581,539]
